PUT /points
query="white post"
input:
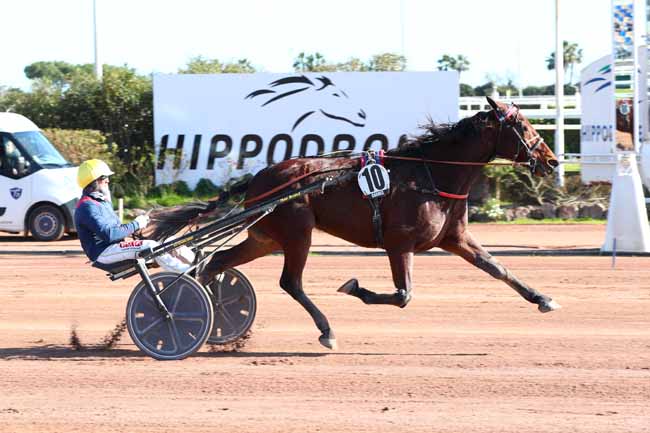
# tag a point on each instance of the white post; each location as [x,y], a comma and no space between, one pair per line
[120,209]
[559,96]
[98,65]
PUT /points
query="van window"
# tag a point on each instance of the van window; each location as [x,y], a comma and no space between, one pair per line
[10,157]
[40,149]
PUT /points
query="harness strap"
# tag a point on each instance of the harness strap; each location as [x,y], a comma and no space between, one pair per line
[513,109]
[454,196]
[376,221]
[436,191]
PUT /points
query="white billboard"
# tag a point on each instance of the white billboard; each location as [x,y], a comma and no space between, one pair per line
[598,122]
[225,125]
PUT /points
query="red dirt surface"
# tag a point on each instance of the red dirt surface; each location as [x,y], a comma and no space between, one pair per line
[466,355]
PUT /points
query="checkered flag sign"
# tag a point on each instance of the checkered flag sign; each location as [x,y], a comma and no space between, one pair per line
[623,29]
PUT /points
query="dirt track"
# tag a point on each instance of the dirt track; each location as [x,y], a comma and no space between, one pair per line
[467,355]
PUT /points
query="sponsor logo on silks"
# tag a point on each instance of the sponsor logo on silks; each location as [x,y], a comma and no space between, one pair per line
[130,244]
[16,192]
[601,82]
[321,95]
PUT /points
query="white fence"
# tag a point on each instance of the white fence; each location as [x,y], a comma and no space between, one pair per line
[534,107]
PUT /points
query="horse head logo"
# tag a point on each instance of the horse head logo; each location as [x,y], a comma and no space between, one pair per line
[322,97]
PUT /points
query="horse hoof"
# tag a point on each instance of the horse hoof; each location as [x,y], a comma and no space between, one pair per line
[330,343]
[546,307]
[349,287]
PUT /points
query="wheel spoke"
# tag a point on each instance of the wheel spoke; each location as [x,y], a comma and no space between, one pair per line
[153,324]
[176,337]
[217,287]
[189,316]
[178,297]
[231,300]
[225,315]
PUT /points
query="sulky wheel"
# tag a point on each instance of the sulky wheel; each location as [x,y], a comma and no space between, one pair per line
[234,302]
[187,329]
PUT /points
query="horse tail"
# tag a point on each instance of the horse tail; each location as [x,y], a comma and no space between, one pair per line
[166,222]
[237,188]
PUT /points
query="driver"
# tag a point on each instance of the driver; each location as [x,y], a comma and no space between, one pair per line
[9,156]
[101,235]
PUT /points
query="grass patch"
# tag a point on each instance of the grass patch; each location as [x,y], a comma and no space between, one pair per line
[572,168]
[530,221]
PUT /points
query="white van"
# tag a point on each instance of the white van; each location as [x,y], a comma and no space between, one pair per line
[38,187]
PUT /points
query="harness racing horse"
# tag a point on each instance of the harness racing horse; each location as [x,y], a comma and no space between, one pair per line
[430,177]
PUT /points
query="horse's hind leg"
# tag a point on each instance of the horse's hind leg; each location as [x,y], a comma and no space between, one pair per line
[400,265]
[469,249]
[295,258]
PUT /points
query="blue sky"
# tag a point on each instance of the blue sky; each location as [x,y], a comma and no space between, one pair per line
[502,39]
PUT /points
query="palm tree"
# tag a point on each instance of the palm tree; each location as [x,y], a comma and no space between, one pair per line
[310,63]
[572,56]
[458,63]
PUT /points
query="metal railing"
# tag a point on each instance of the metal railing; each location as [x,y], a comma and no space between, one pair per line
[535,107]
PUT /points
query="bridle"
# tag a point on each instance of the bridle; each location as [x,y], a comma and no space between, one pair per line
[509,120]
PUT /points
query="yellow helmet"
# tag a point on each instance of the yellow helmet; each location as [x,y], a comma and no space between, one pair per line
[91,170]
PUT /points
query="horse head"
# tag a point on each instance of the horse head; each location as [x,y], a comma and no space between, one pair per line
[518,140]
[325,99]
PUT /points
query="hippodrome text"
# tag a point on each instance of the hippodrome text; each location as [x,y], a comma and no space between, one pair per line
[252,145]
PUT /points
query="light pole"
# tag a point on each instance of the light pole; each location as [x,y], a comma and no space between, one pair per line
[559,96]
[401,26]
[98,65]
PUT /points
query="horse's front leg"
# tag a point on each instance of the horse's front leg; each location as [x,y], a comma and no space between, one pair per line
[469,249]
[401,264]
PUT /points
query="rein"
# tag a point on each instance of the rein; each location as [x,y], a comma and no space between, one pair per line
[403,158]
[291,182]
[408,158]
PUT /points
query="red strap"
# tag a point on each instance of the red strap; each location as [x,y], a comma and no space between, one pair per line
[454,196]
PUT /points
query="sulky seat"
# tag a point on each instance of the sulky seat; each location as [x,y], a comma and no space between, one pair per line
[117,270]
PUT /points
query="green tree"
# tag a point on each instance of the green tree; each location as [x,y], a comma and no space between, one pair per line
[202,65]
[353,65]
[507,88]
[120,106]
[547,90]
[56,72]
[458,63]
[41,105]
[466,90]
[572,57]
[387,62]
[312,63]
[484,89]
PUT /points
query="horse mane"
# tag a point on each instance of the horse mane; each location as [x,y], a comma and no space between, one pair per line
[439,134]
[295,79]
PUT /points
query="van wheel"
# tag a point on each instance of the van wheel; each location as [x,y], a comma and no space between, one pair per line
[46,223]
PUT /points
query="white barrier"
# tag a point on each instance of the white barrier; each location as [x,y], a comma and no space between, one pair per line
[627,219]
